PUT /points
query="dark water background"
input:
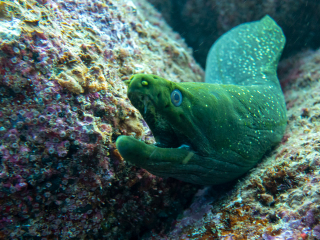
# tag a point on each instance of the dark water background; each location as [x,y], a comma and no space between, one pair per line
[201,22]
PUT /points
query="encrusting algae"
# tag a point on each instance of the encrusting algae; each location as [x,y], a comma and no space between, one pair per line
[62,105]
[61,175]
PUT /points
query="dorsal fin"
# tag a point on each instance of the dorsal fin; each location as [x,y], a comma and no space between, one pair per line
[247,55]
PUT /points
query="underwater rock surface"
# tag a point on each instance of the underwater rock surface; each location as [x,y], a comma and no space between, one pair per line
[62,105]
[280,198]
[201,22]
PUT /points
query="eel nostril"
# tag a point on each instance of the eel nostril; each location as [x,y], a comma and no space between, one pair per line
[144,83]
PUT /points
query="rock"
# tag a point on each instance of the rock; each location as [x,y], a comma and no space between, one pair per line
[63,103]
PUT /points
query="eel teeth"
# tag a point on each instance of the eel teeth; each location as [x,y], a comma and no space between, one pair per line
[145,103]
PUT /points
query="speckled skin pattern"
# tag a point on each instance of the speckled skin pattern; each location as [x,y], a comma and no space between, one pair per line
[224,126]
[279,199]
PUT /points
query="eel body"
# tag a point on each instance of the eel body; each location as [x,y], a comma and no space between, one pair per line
[213,132]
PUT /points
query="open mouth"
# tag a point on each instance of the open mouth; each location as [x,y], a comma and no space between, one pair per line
[141,102]
[144,100]
[165,135]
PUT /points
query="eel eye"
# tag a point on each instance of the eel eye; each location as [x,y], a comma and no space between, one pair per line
[176,97]
[144,83]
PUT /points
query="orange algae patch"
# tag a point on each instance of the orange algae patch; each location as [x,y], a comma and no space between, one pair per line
[79,74]
[116,153]
[81,68]
[239,224]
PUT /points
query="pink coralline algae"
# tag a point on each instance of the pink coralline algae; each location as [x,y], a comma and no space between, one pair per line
[280,198]
[62,105]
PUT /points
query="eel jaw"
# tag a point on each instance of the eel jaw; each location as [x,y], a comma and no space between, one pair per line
[165,135]
[155,159]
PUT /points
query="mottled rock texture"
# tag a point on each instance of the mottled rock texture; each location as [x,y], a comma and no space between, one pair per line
[62,105]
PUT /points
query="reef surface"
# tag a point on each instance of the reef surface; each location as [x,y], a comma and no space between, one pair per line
[62,105]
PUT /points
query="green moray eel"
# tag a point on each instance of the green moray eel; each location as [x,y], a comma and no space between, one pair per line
[213,132]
